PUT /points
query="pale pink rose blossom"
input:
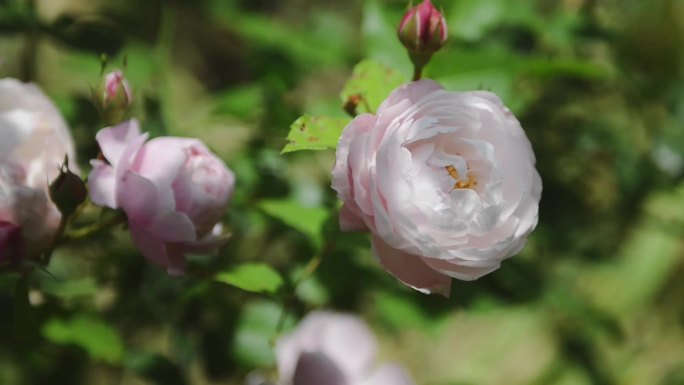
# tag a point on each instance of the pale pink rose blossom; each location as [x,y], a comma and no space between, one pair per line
[333,349]
[33,142]
[174,192]
[445,181]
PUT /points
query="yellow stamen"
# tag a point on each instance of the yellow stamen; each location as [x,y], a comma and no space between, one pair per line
[469,183]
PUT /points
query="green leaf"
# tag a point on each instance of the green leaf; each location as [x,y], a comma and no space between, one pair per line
[400,312]
[254,334]
[308,220]
[73,288]
[314,133]
[373,82]
[471,19]
[93,335]
[253,277]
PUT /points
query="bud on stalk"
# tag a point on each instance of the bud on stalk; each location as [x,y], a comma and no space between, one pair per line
[423,31]
[113,97]
[67,191]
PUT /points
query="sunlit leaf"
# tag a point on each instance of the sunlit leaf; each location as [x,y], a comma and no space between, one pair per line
[254,277]
[373,82]
[314,133]
[97,338]
[308,220]
[71,288]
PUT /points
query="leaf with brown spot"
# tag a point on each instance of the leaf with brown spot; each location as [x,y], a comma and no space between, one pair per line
[314,133]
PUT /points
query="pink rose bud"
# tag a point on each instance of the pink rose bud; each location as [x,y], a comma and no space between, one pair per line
[445,182]
[114,97]
[174,192]
[35,140]
[11,243]
[116,89]
[423,29]
[333,349]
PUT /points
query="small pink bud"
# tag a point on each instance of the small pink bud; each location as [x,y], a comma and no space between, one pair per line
[423,29]
[11,244]
[114,97]
[116,89]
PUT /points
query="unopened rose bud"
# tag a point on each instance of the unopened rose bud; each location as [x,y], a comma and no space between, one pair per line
[10,243]
[67,191]
[423,31]
[114,97]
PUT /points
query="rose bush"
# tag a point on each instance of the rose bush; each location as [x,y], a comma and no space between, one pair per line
[174,192]
[333,349]
[445,181]
[34,141]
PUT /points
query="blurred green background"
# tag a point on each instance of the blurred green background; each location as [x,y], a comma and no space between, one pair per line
[595,298]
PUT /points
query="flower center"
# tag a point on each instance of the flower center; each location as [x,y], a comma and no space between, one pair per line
[468,183]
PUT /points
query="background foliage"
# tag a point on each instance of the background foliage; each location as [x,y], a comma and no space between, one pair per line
[595,298]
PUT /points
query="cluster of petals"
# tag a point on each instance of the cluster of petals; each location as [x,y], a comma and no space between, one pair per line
[333,349]
[445,182]
[173,190]
[34,140]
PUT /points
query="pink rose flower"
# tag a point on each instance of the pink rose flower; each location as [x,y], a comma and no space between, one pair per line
[33,142]
[333,349]
[173,190]
[445,181]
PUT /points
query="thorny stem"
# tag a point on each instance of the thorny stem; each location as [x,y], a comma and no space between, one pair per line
[308,271]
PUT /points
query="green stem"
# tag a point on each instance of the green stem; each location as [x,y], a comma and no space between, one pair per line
[308,271]
[417,72]
[87,231]
[29,56]
[55,239]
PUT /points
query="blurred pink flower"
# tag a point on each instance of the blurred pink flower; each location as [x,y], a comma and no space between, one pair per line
[173,190]
[33,142]
[445,181]
[333,349]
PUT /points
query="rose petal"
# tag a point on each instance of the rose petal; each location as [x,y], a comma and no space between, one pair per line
[149,245]
[463,270]
[351,221]
[176,255]
[102,184]
[316,368]
[410,269]
[143,204]
[114,141]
